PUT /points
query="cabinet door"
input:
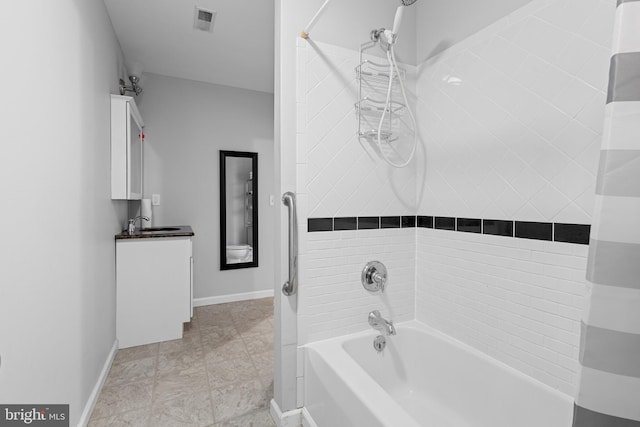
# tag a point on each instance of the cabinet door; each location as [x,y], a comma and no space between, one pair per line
[152,289]
[135,156]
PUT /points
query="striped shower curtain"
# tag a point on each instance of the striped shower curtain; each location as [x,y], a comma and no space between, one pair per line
[609,389]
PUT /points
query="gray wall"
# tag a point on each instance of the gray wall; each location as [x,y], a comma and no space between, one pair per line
[186,125]
[57,280]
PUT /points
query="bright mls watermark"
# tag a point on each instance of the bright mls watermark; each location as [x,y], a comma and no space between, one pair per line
[34,415]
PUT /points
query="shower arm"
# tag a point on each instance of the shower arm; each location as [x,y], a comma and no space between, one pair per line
[305,32]
[396,24]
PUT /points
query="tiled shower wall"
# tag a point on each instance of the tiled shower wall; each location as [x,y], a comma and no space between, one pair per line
[512,119]
[513,116]
[339,177]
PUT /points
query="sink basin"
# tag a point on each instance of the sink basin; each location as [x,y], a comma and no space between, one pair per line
[158,229]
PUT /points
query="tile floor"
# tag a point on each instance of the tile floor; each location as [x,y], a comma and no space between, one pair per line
[219,374]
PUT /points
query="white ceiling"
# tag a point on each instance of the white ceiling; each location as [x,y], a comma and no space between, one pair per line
[160,36]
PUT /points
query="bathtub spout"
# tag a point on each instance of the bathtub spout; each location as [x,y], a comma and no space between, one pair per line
[379,323]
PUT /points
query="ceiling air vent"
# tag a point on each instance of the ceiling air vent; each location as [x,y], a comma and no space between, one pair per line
[204,19]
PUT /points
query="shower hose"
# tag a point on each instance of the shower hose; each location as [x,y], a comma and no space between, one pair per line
[393,67]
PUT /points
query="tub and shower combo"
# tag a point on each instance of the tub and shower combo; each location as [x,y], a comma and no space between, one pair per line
[409,374]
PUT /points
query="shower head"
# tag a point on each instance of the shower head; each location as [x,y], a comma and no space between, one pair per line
[391,35]
[399,11]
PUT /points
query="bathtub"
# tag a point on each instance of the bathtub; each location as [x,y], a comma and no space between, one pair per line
[422,378]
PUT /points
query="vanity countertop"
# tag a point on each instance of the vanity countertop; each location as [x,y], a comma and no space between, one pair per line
[155,232]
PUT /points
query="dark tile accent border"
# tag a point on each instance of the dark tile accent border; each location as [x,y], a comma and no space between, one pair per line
[547,231]
[320,224]
[497,227]
[534,230]
[445,223]
[389,222]
[425,221]
[368,222]
[345,223]
[469,225]
[572,233]
[408,221]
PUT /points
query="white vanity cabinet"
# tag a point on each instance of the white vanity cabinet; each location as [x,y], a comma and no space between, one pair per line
[154,283]
[127,139]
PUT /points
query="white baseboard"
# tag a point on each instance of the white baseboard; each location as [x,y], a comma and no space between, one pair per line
[307,421]
[198,302]
[285,419]
[93,398]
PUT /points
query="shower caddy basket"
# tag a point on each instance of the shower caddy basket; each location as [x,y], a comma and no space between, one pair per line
[372,75]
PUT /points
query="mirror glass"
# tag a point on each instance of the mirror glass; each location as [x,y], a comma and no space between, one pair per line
[238,209]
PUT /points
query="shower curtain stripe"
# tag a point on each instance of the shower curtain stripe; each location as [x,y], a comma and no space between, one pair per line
[609,388]
[616,309]
[625,1]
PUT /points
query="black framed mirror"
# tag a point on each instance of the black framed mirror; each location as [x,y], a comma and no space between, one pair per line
[238,210]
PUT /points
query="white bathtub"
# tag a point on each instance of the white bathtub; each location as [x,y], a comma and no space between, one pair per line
[422,378]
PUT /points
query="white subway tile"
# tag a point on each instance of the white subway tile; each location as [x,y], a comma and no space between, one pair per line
[520,315]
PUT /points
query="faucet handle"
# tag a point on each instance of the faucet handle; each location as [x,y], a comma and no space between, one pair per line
[132,223]
[374,318]
[374,276]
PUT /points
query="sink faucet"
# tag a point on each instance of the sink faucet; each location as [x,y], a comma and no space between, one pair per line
[381,324]
[132,223]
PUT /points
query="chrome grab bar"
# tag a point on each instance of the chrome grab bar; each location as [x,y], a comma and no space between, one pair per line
[290,287]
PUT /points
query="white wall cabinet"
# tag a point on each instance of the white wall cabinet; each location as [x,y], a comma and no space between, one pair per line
[154,279]
[127,139]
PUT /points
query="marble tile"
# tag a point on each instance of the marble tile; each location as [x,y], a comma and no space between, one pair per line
[215,308]
[259,325]
[213,335]
[264,365]
[130,371]
[193,410]
[178,363]
[208,319]
[169,387]
[138,352]
[190,326]
[209,376]
[260,418]
[231,371]
[262,304]
[266,378]
[135,418]
[189,341]
[219,352]
[246,325]
[258,342]
[239,399]
[253,315]
[263,360]
[121,398]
